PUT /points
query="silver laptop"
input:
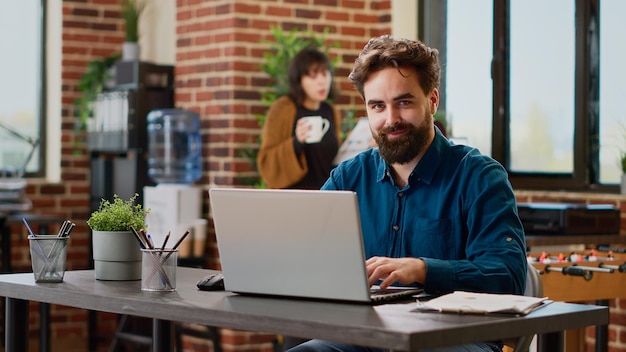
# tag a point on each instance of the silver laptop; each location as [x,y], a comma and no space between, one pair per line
[294,243]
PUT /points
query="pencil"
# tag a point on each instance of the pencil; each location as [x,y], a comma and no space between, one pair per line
[180,240]
[176,245]
[142,245]
[167,237]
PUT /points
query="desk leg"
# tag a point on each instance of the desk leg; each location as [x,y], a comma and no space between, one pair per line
[6,247]
[161,335]
[15,325]
[44,327]
[602,331]
[551,342]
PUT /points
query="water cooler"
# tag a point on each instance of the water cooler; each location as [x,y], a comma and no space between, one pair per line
[174,163]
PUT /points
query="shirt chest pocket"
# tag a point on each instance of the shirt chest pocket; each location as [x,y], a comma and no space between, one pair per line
[431,238]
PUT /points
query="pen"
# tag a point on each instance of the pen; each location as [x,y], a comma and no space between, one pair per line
[62,228]
[28,227]
[150,242]
[69,230]
[145,239]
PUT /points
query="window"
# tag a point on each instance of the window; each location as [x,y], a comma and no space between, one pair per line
[612,77]
[22,127]
[536,85]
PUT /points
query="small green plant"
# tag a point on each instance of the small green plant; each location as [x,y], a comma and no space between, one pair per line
[119,215]
[131,10]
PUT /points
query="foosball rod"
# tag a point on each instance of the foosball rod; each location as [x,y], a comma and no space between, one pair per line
[621,268]
[583,271]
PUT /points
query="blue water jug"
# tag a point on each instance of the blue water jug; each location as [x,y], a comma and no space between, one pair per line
[174,146]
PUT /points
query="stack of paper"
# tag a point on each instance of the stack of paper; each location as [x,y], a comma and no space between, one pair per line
[483,303]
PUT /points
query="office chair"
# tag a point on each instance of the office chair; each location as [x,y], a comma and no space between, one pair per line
[534,288]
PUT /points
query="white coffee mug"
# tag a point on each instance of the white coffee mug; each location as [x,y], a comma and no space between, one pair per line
[319,127]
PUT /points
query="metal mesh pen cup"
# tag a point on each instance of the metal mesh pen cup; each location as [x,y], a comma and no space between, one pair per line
[48,254]
[158,269]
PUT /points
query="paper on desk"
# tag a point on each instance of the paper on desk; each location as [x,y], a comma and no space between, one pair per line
[483,303]
[358,140]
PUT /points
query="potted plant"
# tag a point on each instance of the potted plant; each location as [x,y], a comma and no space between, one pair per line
[116,252]
[131,10]
[92,82]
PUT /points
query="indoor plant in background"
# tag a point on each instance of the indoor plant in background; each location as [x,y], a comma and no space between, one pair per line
[282,48]
[116,251]
[98,76]
[131,11]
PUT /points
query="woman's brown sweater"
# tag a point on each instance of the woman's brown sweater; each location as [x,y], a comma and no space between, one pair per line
[277,161]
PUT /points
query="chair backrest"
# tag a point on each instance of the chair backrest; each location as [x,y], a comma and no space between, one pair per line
[534,288]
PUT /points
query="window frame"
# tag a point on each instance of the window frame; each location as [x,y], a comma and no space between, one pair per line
[43,96]
[585,174]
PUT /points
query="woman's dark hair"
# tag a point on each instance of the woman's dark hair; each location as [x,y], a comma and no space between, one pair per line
[307,60]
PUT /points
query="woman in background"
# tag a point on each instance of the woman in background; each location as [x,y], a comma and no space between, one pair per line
[285,159]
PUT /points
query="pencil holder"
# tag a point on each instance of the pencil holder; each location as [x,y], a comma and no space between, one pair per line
[48,255]
[158,269]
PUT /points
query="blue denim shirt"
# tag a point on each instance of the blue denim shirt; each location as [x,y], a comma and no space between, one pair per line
[458,213]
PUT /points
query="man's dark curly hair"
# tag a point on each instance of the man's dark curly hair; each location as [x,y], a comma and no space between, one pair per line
[387,51]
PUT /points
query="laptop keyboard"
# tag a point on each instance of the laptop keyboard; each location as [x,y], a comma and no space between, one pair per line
[391,293]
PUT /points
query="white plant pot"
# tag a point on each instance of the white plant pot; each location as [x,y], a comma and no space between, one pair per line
[130,51]
[116,255]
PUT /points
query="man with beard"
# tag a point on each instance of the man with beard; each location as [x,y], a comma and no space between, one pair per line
[434,214]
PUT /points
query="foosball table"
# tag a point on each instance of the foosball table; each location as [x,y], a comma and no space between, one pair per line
[593,275]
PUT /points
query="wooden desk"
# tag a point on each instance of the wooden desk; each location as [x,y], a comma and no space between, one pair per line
[391,326]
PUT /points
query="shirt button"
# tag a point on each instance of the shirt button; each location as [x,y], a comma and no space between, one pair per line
[509,239]
[400,194]
[396,227]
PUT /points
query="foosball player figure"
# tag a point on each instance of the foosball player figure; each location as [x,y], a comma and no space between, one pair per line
[610,256]
[593,256]
[543,258]
[575,258]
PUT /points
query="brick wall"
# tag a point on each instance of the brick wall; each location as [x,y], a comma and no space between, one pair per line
[219,49]
[220,46]
[92,29]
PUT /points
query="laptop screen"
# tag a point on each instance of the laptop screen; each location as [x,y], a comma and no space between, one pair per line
[297,243]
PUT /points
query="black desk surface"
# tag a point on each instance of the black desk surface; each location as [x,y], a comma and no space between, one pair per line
[393,326]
